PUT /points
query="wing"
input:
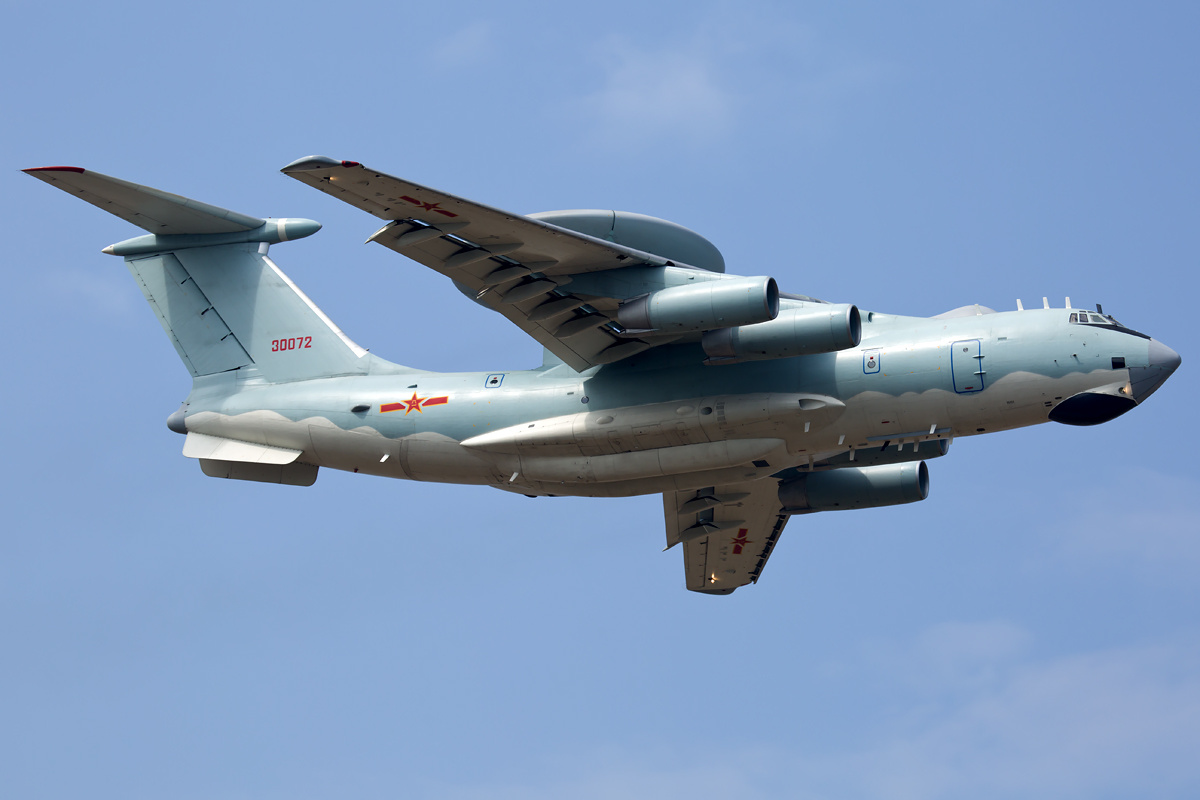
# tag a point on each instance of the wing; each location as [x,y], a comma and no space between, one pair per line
[516,265]
[728,532]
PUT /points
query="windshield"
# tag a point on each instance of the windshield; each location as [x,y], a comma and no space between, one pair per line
[1086,317]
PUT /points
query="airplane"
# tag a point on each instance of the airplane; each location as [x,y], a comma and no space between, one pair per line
[662,374]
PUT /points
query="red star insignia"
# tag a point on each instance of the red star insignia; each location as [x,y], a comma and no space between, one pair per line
[740,542]
[413,404]
[418,404]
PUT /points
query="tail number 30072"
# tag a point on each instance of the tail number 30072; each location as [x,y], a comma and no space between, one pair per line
[297,343]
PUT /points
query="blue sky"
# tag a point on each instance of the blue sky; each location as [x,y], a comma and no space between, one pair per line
[1031,630]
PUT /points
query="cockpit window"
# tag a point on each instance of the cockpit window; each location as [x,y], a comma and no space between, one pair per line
[1084,318]
[1108,321]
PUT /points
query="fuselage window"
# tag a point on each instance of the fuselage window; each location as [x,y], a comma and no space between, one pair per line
[1074,318]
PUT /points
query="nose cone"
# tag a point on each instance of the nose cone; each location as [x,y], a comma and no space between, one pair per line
[1164,357]
[1163,362]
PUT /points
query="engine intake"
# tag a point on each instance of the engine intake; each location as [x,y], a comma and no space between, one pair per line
[795,332]
[856,487]
[703,306]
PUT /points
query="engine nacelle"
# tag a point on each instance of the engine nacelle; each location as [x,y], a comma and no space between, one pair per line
[856,487]
[795,332]
[703,306]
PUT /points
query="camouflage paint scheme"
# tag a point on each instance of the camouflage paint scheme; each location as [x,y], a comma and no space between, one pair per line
[839,410]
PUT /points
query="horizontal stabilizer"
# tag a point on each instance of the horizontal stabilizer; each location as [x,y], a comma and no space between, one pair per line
[215,448]
[150,209]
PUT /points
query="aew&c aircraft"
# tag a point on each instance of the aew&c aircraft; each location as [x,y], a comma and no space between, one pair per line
[740,404]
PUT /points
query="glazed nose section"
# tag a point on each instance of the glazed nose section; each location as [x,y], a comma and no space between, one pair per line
[1163,362]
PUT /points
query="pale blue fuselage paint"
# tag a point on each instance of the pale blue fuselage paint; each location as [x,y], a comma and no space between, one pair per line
[1032,360]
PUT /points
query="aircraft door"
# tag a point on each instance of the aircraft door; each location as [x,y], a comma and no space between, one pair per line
[966,366]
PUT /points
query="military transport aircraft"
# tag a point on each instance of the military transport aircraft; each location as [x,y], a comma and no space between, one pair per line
[740,404]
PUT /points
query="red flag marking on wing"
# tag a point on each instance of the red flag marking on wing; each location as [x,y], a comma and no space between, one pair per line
[740,541]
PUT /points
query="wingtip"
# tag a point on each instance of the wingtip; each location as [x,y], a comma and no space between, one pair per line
[316,162]
[53,169]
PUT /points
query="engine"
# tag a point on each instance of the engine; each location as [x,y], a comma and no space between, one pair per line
[703,306]
[818,328]
[856,487]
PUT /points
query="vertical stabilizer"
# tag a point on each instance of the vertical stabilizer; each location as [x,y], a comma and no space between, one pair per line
[205,272]
[230,307]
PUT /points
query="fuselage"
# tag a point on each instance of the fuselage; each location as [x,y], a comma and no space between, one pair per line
[663,421]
